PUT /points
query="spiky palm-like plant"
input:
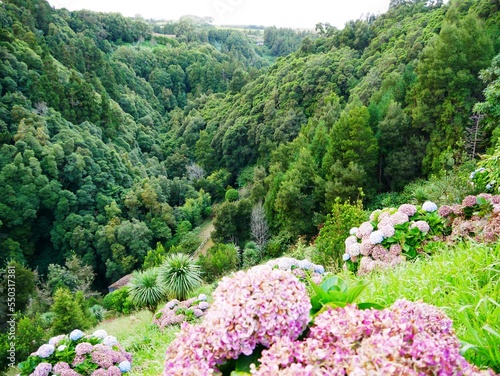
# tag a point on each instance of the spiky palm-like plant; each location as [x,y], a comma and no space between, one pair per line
[146,289]
[180,274]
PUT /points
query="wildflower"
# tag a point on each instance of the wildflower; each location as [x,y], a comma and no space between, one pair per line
[76,334]
[429,206]
[45,351]
[125,366]
[376,237]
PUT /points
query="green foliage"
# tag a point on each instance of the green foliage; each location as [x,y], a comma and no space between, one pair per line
[29,336]
[146,289]
[180,275]
[330,241]
[232,195]
[487,177]
[333,292]
[221,259]
[68,313]
[252,255]
[154,257]
[232,221]
[119,301]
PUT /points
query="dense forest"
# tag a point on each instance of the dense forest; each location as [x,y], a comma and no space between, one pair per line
[118,135]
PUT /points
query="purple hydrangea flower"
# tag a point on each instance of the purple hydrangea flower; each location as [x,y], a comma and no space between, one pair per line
[469,201]
[203,305]
[45,351]
[109,341]
[346,256]
[42,369]
[83,348]
[398,218]
[444,211]
[202,297]
[365,229]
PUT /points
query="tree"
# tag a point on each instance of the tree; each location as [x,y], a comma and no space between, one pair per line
[258,226]
[447,87]
[68,314]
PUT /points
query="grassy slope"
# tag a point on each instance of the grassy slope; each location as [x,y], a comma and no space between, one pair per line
[462,279]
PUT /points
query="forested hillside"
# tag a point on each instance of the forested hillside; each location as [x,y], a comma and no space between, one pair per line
[117,134]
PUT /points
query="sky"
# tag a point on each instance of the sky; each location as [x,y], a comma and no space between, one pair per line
[279,13]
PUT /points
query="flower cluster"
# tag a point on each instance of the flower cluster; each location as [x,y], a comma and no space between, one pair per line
[406,339]
[98,354]
[300,268]
[175,312]
[251,308]
[391,236]
[477,217]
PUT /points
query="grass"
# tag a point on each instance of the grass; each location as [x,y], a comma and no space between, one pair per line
[139,336]
[464,281]
[145,341]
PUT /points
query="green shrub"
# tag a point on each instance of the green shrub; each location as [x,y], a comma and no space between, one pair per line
[98,312]
[330,241]
[251,255]
[68,313]
[180,275]
[219,260]
[29,336]
[487,177]
[232,195]
[147,290]
[119,301]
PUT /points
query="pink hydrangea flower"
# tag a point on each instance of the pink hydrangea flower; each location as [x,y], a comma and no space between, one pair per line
[365,229]
[445,211]
[250,308]
[387,230]
[423,226]
[399,218]
[408,209]
[469,201]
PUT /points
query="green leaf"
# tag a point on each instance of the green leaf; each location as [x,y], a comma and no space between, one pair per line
[334,283]
[244,361]
[354,291]
[368,305]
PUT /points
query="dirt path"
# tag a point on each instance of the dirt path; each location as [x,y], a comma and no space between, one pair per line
[206,229]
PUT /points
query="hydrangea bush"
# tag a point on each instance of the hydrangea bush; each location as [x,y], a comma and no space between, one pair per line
[261,315]
[302,269]
[405,339]
[250,309]
[176,312]
[97,354]
[392,236]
